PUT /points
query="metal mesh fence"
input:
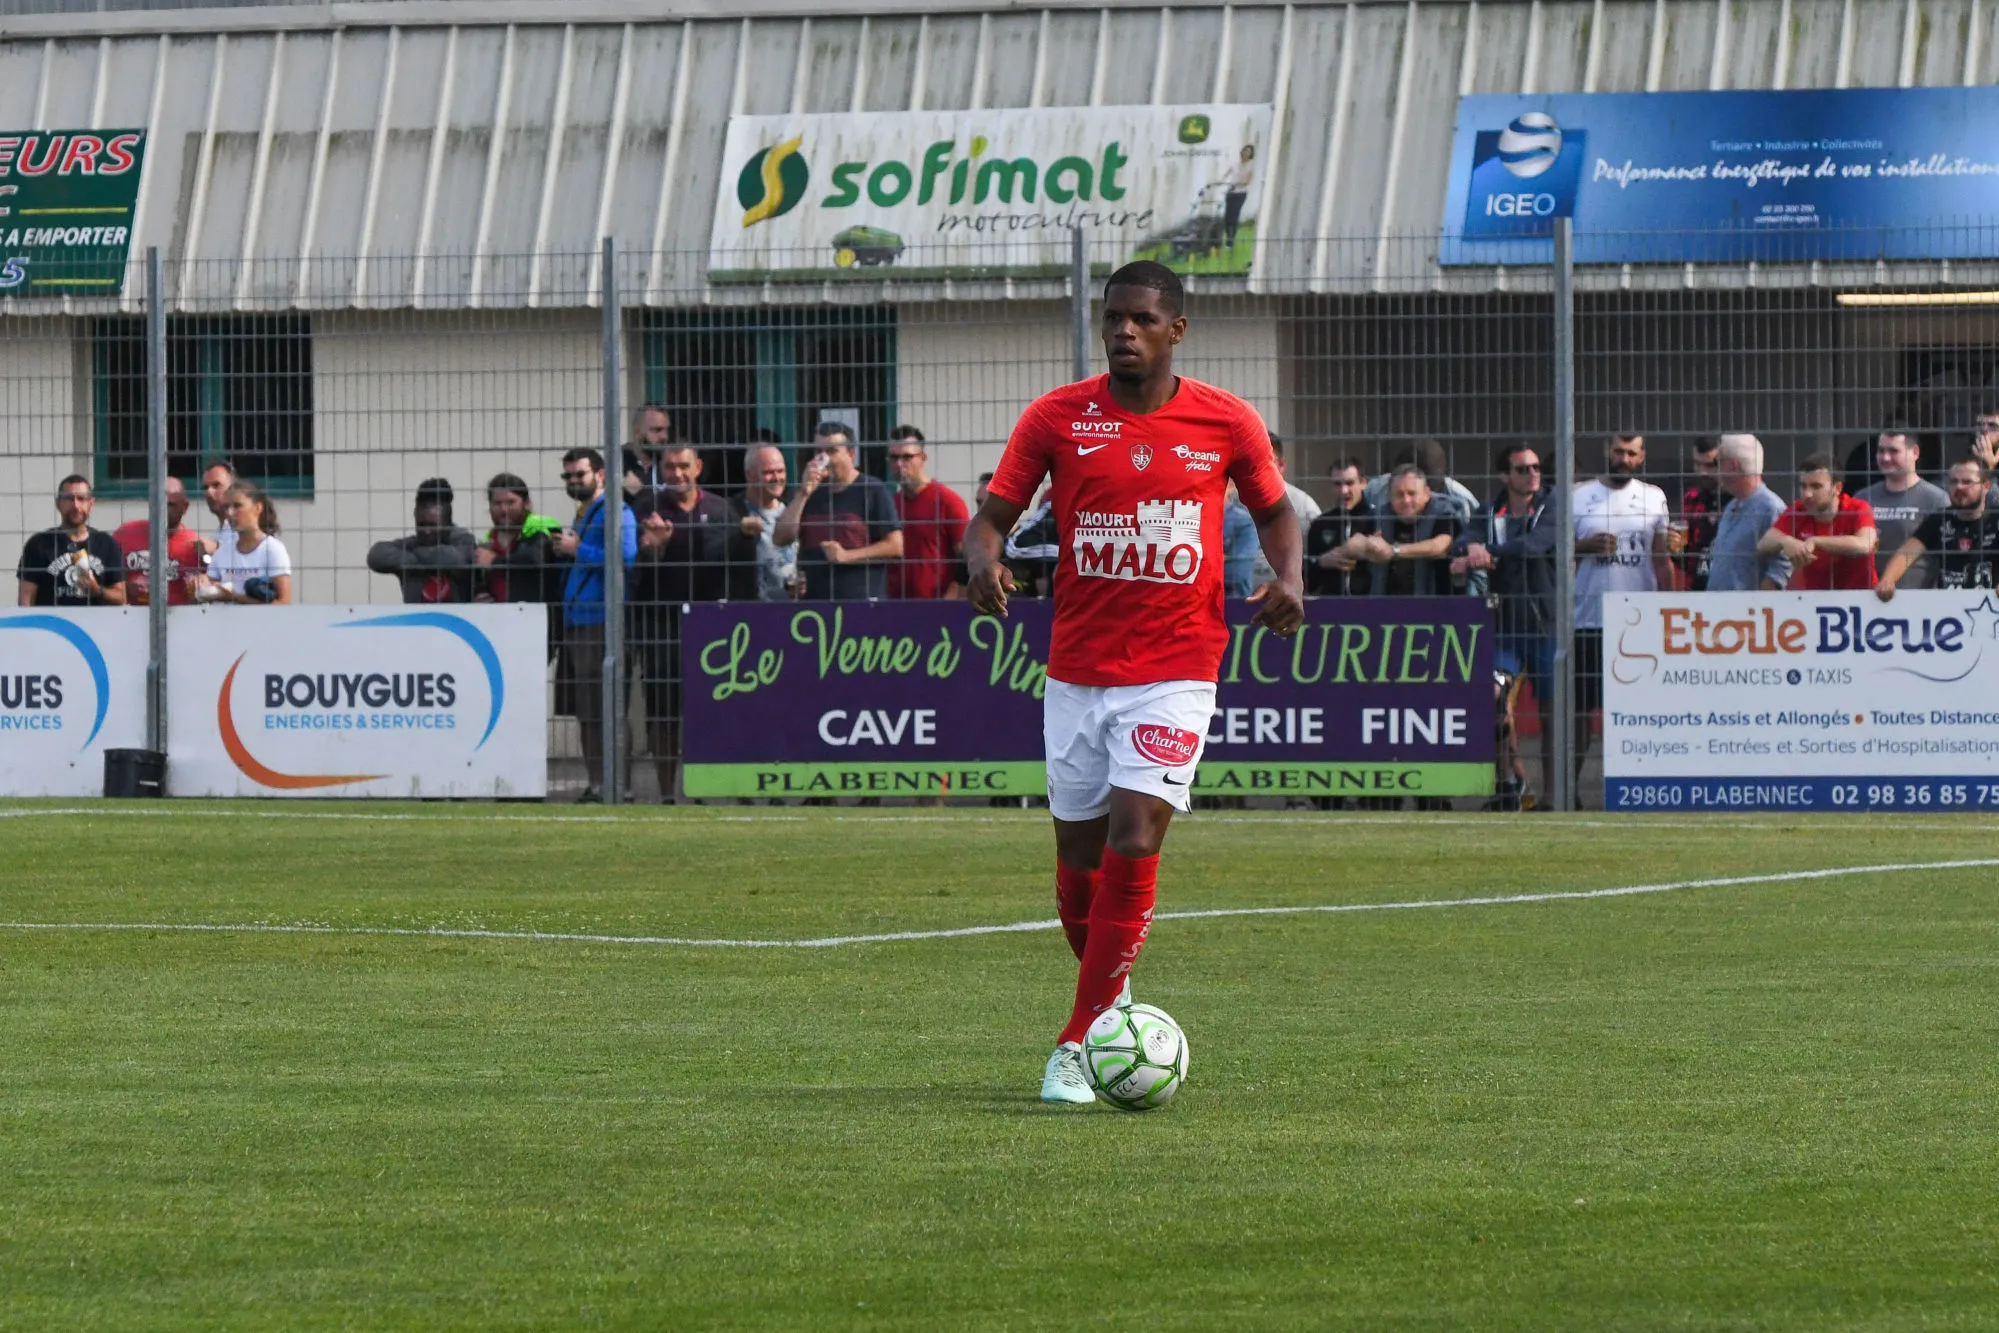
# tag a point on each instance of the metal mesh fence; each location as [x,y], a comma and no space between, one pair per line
[404,417]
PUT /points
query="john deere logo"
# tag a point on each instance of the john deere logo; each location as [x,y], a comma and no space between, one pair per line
[1194,129]
[773,182]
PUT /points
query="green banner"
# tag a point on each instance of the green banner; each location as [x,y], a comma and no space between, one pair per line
[1017,778]
[1356,779]
[66,204]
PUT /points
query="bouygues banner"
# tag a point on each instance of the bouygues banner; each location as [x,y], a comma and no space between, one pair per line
[965,193]
[1801,701]
[66,204]
[1374,697]
[1854,173]
[358,701]
[72,685]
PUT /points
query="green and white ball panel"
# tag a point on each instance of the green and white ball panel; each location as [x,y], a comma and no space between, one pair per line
[1135,1057]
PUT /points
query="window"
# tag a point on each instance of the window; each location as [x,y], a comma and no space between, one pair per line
[239,387]
[728,374]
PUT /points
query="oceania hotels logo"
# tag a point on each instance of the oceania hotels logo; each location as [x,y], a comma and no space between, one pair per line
[772,182]
[33,700]
[409,696]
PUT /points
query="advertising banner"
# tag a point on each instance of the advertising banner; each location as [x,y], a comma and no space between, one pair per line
[1374,697]
[1856,173]
[66,201]
[968,193]
[72,685]
[1801,701]
[358,701]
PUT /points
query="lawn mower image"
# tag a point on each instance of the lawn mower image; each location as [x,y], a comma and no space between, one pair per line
[1202,232]
[866,246]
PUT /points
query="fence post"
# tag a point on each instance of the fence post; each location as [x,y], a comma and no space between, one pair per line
[1079,304]
[1564,796]
[614,542]
[156,507]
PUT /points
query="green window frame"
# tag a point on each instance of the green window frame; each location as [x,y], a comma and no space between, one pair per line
[239,389]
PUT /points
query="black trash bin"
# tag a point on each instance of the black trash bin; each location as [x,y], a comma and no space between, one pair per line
[129,773]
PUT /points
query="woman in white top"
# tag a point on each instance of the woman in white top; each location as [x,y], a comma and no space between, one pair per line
[254,567]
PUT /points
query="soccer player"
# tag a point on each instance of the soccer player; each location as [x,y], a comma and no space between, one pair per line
[1140,460]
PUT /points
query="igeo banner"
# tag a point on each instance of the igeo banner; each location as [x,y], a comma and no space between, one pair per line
[1895,173]
[1380,697]
[72,685]
[358,701]
[66,204]
[1801,701]
[964,193]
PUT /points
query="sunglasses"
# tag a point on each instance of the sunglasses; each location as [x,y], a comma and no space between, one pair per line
[904,458]
[576,476]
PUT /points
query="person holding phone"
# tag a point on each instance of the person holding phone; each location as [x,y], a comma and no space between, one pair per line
[253,566]
[844,523]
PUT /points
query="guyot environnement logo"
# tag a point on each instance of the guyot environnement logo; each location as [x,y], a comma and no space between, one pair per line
[772,182]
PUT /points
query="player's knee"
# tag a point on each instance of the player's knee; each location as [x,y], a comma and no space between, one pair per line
[1137,840]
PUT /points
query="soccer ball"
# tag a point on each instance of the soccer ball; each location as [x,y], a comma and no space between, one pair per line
[1135,1057]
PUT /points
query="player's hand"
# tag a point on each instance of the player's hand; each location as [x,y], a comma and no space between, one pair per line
[1885,590]
[990,588]
[566,544]
[1283,609]
[484,556]
[753,525]
[836,554]
[1601,543]
[655,530]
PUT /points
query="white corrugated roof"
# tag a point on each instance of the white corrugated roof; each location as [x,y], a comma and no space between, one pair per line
[420,153]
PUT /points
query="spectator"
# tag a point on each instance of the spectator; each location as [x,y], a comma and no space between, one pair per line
[1239,543]
[1509,539]
[1828,536]
[692,548]
[216,479]
[1409,547]
[1034,547]
[1303,508]
[1435,463]
[435,563]
[652,430]
[759,508]
[1734,562]
[72,563]
[1700,509]
[184,552]
[1985,448]
[933,520]
[1901,502]
[252,566]
[583,603]
[1329,570]
[1962,540]
[1623,544]
[518,556]
[844,524]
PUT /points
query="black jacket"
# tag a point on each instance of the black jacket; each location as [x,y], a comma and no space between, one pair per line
[415,561]
[1331,529]
[1523,553]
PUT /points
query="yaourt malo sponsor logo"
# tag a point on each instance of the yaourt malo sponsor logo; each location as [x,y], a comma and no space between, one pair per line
[32,701]
[361,701]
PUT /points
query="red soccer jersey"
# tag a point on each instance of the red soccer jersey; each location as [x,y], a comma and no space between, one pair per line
[1830,572]
[933,528]
[183,557]
[1138,515]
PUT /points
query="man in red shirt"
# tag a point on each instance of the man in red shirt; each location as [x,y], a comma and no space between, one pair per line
[183,552]
[1827,535]
[1140,461]
[933,520]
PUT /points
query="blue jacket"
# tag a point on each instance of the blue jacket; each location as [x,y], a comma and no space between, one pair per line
[583,595]
[1240,544]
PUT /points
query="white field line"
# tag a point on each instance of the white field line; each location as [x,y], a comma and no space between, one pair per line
[1496,823]
[1011,928]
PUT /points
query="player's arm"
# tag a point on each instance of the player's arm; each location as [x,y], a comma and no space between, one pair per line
[1662,554]
[25,594]
[1898,565]
[985,540]
[1283,598]
[1430,548]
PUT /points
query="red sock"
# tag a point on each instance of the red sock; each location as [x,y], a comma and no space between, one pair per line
[1120,915]
[1074,891]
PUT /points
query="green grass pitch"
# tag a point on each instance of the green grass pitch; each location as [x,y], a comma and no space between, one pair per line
[1743,1106]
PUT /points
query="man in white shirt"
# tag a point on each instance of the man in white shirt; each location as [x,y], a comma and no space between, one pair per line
[1624,543]
[1902,502]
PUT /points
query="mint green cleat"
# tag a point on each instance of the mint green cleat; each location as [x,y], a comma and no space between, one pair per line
[1063,1080]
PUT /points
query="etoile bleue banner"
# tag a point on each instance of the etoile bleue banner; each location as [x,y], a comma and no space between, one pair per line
[1726,177]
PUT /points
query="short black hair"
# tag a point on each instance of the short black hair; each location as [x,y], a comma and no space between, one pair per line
[1345,461]
[1514,450]
[583,453]
[826,430]
[434,491]
[907,432]
[1984,472]
[1818,463]
[1707,444]
[509,483]
[1154,275]
[74,479]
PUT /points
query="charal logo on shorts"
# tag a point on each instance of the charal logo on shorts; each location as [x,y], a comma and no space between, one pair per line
[1165,745]
[1141,456]
[1160,544]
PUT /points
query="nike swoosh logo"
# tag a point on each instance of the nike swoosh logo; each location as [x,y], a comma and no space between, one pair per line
[1081,452]
[1171,783]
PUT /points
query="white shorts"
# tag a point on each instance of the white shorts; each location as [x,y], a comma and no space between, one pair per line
[1144,738]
